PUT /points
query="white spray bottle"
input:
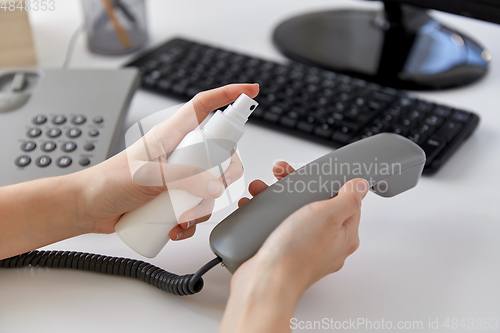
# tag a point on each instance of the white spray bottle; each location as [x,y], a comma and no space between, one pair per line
[146,229]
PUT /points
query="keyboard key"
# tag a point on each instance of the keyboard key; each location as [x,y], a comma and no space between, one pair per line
[449,130]
[288,122]
[271,117]
[341,137]
[305,127]
[323,131]
[434,121]
[442,111]
[432,148]
[461,116]
[98,120]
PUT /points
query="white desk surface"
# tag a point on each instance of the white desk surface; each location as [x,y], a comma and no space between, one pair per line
[431,253]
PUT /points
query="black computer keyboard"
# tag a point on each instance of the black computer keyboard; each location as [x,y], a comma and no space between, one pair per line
[309,102]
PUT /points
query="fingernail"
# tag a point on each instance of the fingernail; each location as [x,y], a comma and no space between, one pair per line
[228,182]
[363,187]
[189,223]
[179,235]
[215,188]
[256,83]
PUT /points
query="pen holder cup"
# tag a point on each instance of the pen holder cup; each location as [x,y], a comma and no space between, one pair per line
[115,27]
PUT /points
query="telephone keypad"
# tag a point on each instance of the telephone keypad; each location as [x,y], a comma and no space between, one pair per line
[53,130]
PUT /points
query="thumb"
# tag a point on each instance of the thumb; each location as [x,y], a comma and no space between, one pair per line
[350,196]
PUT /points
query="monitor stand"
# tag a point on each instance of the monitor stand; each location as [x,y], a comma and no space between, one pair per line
[400,46]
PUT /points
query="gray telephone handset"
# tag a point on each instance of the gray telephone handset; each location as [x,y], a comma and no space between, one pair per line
[391,164]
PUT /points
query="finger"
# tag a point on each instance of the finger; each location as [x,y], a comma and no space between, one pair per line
[193,113]
[177,233]
[351,226]
[201,184]
[345,204]
[282,169]
[197,214]
[207,101]
[242,201]
[192,179]
[256,187]
[234,170]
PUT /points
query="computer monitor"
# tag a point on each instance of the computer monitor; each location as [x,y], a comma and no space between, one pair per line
[400,46]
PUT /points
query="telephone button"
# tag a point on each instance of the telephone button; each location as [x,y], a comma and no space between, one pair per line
[59,119]
[34,132]
[49,146]
[23,161]
[40,119]
[93,132]
[43,161]
[54,133]
[89,147]
[84,161]
[74,133]
[69,146]
[28,146]
[64,161]
[79,119]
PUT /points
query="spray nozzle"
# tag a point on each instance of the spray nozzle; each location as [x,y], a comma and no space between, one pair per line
[241,109]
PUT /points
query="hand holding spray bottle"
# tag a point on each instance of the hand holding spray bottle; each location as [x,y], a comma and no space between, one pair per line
[146,228]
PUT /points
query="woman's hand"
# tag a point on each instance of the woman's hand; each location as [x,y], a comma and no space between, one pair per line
[310,244]
[48,210]
[109,190]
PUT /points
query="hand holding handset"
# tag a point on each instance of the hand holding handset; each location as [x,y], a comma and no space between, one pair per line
[390,163]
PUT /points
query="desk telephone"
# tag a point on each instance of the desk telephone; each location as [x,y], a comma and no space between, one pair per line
[54,122]
[239,236]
